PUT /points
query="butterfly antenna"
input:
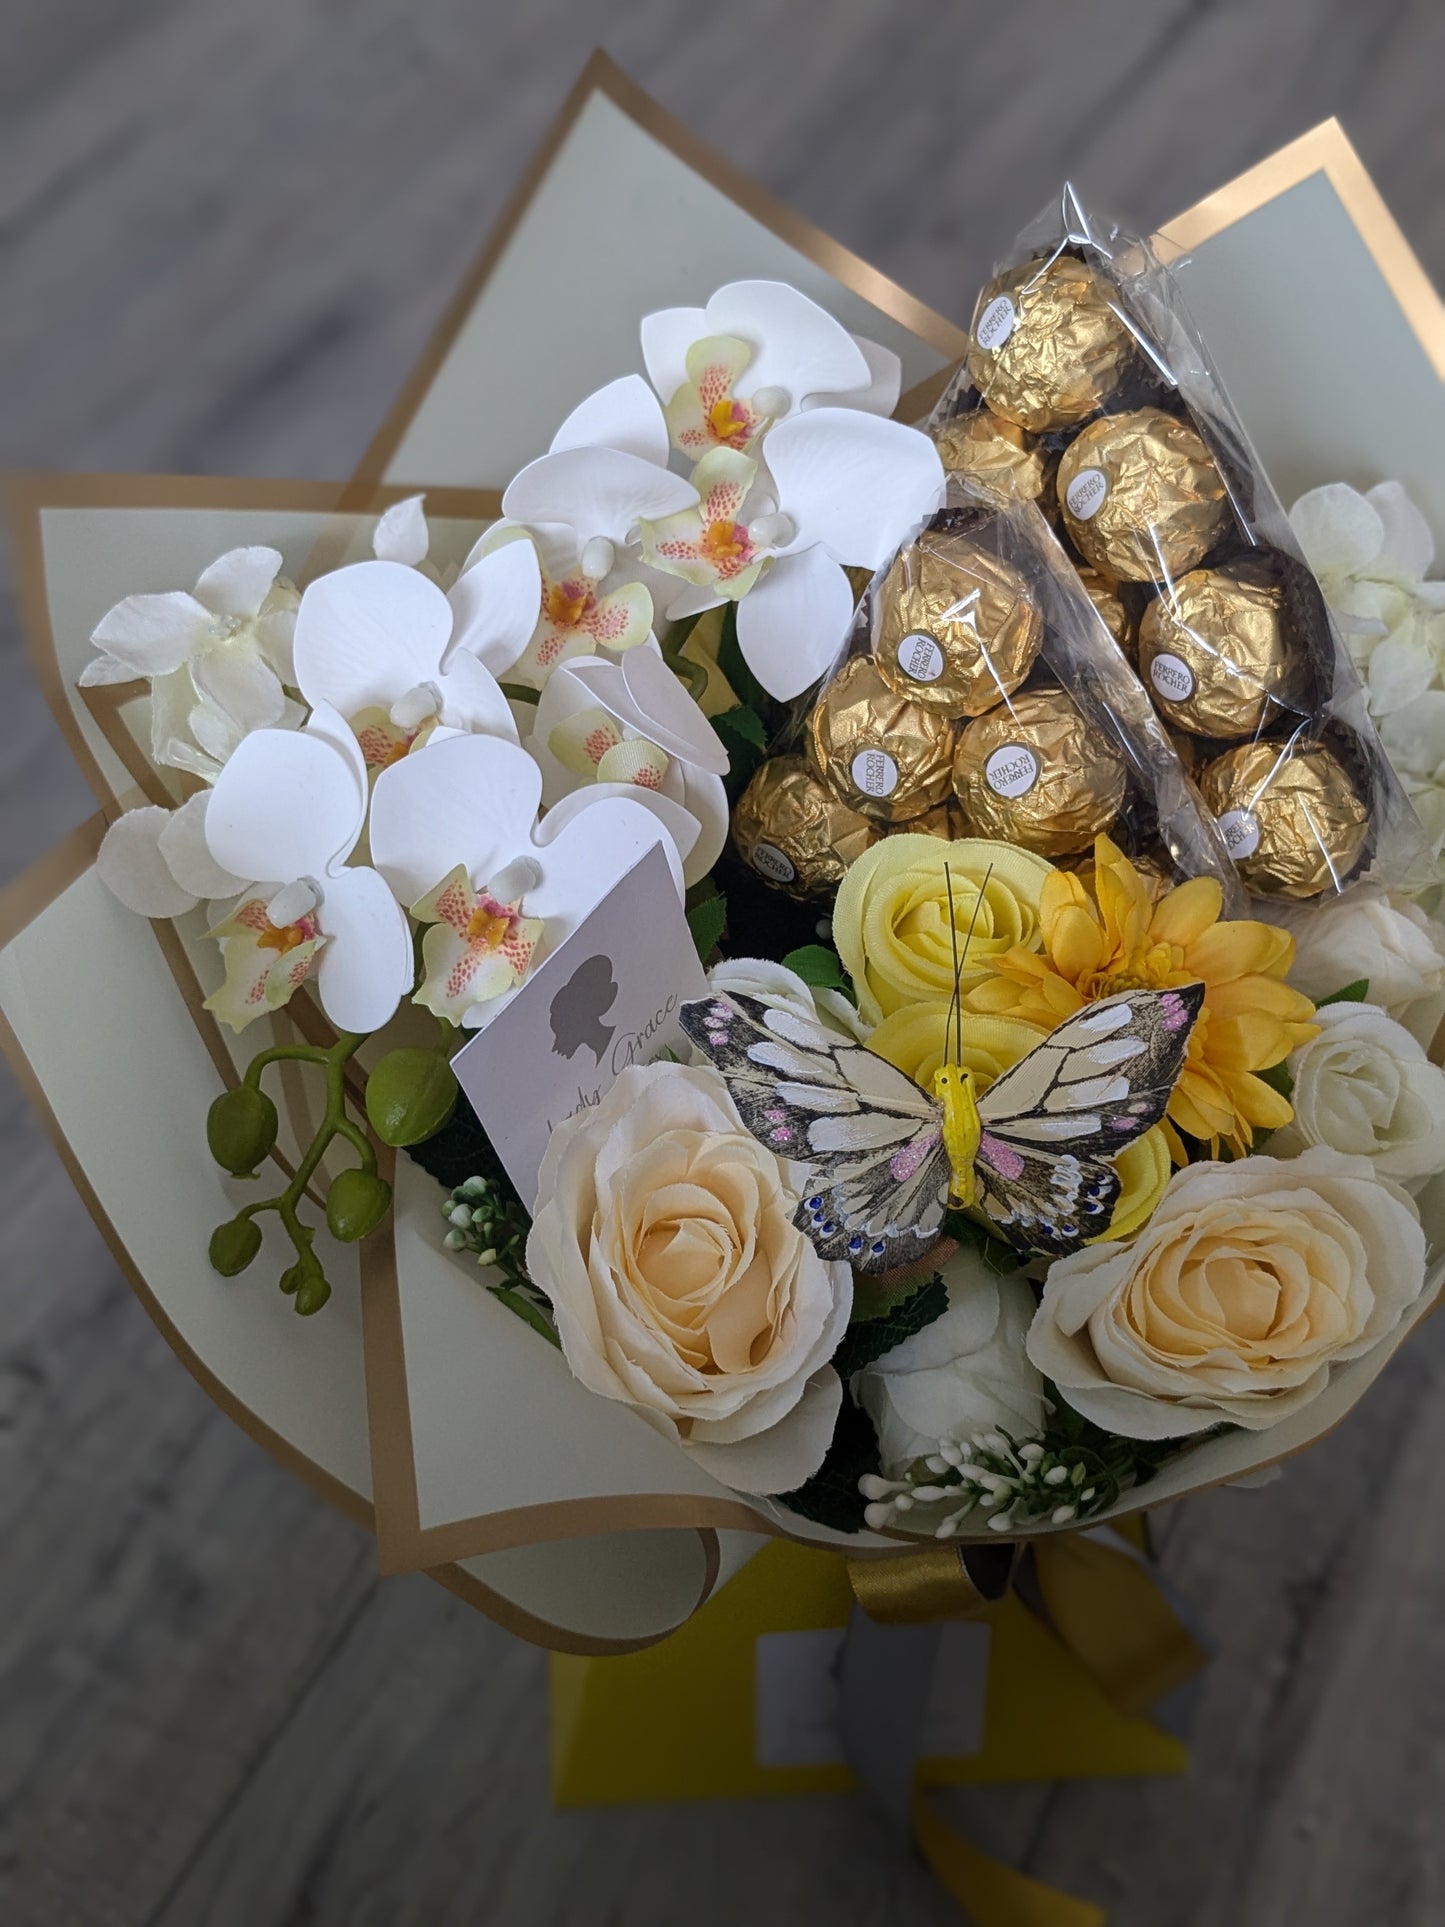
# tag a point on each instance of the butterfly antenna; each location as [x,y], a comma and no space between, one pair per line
[954,1019]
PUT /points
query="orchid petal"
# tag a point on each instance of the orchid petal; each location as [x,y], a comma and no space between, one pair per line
[470,800]
[368,633]
[705,798]
[215,730]
[1408,548]
[797,346]
[495,603]
[472,699]
[401,534]
[585,849]
[286,805]
[644,695]
[1339,531]
[238,582]
[635,762]
[794,625]
[855,483]
[367,967]
[132,865]
[188,856]
[625,415]
[885,380]
[237,681]
[667,334]
[153,634]
[596,491]
[683,828]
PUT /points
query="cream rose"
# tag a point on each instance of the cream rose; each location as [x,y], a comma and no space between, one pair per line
[682,1287]
[1248,1283]
[1392,943]
[1364,1085]
[891,920]
[782,989]
[963,1374]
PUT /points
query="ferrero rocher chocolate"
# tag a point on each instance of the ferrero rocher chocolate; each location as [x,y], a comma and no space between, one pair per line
[955,628]
[882,755]
[1110,605]
[946,821]
[1292,819]
[1214,649]
[1048,346]
[1141,497]
[792,830]
[1034,772]
[1000,455]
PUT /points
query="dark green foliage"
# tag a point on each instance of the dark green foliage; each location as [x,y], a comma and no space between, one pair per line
[831,1497]
[870,1337]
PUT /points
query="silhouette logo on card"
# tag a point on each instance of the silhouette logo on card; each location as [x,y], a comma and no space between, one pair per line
[579,1007]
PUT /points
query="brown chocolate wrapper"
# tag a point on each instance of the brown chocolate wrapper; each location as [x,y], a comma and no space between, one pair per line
[1048,346]
[1215,652]
[1291,817]
[886,757]
[1141,497]
[955,628]
[1000,455]
[1110,604]
[794,832]
[1035,773]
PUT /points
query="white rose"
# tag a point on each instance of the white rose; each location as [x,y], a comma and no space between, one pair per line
[965,1373]
[680,1283]
[1392,943]
[783,989]
[1248,1283]
[1365,1086]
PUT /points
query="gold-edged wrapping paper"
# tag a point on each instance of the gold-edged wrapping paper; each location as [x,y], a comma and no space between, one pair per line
[1291,817]
[886,757]
[955,627]
[1036,773]
[1048,345]
[1141,497]
[793,830]
[1214,650]
[999,455]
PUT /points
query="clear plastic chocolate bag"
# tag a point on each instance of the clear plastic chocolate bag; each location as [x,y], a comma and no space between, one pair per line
[1088,392]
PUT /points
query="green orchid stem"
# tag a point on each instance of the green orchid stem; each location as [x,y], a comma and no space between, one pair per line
[334,1123]
[692,674]
[514,1301]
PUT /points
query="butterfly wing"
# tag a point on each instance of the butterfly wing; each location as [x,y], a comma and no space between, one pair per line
[868,1139]
[1053,1123]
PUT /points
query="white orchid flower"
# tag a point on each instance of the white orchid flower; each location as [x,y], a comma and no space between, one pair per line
[384,646]
[632,729]
[216,658]
[604,474]
[839,488]
[758,352]
[454,832]
[291,805]
[580,613]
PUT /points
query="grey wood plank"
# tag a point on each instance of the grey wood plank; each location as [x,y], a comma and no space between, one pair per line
[226,232]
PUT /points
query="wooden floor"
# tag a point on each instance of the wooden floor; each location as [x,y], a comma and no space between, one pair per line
[227,227]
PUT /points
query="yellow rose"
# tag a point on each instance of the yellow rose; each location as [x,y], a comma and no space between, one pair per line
[1250,1281]
[891,921]
[913,1039]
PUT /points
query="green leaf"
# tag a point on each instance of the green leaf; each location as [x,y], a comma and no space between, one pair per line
[744,723]
[1354,993]
[818,966]
[1279,1078]
[744,736]
[996,1253]
[871,1337]
[707,921]
[831,1497]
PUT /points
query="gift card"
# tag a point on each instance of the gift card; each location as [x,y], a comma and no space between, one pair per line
[607,998]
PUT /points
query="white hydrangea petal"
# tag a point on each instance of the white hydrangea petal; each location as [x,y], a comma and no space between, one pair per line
[236,679]
[1339,531]
[667,334]
[188,855]
[1408,548]
[284,806]
[153,634]
[624,415]
[366,969]
[238,582]
[797,346]
[215,730]
[470,799]
[367,634]
[495,602]
[885,380]
[1401,670]
[1414,737]
[793,624]
[596,491]
[855,483]
[401,534]
[132,866]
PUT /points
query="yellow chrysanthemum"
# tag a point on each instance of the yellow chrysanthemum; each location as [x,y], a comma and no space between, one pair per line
[914,1040]
[1110,936]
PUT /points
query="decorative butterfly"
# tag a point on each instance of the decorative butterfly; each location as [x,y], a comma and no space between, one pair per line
[884,1158]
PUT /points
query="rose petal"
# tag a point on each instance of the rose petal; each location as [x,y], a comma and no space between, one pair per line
[855,483]
[788,1453]
[237,583]
[793,624]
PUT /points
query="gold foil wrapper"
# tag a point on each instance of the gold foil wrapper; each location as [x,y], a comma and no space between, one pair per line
[999,454]
[794,832]
[1048,346]
[886,757]
[1141,497]
[1292,819]
[945,821]
[1036,773]
[1214,650]
[955,628]
[1110,605]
